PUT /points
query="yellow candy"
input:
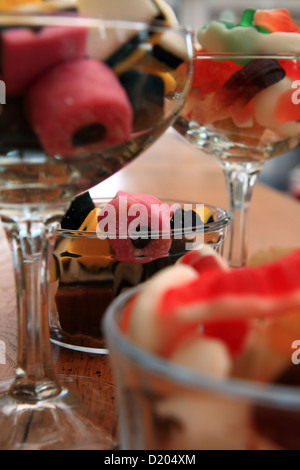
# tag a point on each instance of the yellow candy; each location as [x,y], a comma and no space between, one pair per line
[90,222]
[204,213]
[94,253]
[167,78]
[12,4]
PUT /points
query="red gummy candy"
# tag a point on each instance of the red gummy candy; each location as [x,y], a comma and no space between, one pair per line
[276,20]
[123,213]
[233,333]
[251,292]
[245,84]
[291,67]
[200,261]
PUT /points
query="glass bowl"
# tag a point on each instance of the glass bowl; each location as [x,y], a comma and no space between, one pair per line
[164,406]
[88,274]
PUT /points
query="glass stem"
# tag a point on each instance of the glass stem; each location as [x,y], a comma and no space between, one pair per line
[240,180]
[32,245]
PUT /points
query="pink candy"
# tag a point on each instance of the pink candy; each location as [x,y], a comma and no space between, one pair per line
[130,215]
[27,54]
[78,107]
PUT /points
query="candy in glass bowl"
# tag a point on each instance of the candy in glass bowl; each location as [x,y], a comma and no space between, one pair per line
[206,357]
[85,93]
[106,246]
[244,104]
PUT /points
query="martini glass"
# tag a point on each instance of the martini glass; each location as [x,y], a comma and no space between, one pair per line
[243,110]
[84,96]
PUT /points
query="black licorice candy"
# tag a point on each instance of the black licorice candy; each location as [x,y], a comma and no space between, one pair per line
[146,94]
[79,209]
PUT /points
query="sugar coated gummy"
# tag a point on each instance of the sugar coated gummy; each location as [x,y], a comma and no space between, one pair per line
[275,21]
[55,104]
[131,241]
[27,54]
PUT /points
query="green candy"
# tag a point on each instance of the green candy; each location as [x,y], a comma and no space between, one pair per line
[247,20]
[247,17]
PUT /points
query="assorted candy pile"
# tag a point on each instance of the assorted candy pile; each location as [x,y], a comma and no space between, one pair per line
[248,96]
[71,90]
[201,315]
[105,249]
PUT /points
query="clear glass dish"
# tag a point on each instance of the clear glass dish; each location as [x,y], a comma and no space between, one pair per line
[89,275]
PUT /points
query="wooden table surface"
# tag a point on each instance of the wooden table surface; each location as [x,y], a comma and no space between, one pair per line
[171,168]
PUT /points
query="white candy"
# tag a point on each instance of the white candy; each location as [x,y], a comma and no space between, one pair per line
[217,38]
[206,421]
[167,12]
[145,329]
[103,43]
[204,355]
[265,104]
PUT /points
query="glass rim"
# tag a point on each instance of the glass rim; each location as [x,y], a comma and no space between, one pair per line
[246,55]
[212,227]
[58,17]
[267,394]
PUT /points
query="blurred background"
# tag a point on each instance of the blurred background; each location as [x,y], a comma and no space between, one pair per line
[280,171]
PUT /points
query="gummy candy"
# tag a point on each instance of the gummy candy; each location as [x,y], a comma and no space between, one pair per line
[217,38]
[276,21]
[246,83]
[233,333]
[27,55]
[273,288]
[210,75]
[128,246]
[107,120]
[291,67]
[247,19]
[203,259]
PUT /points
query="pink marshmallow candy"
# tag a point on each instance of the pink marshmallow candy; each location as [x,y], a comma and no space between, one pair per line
[78,107]
[27,54]
[128,213]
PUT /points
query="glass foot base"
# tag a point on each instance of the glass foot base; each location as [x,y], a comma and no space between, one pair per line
[83,343]
[82,417]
